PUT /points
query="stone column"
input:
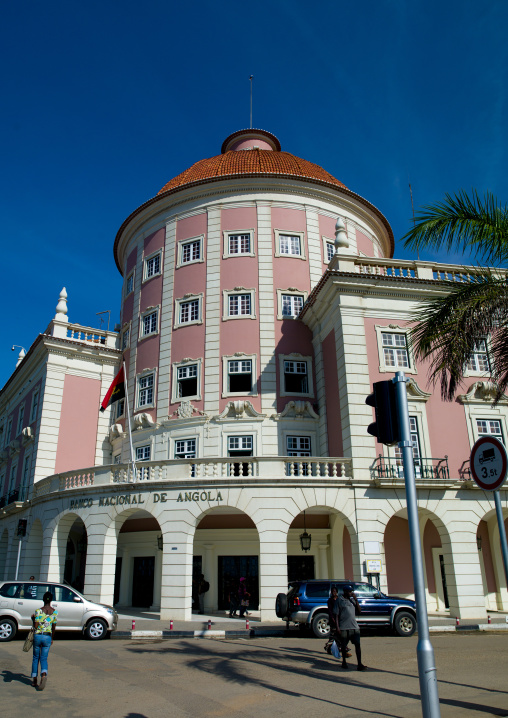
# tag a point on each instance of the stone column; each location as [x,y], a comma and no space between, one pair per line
[463,572]
[157,579]
[273,571]
[124,598]
[100,564]
[323,560]
[176,580]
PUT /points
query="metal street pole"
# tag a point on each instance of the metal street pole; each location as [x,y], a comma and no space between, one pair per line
[424,650]
[502,532]
[19,556]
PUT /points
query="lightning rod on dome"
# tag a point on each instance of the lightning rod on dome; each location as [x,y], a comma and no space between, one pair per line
[250,78]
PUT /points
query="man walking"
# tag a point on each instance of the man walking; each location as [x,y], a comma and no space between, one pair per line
[348,630]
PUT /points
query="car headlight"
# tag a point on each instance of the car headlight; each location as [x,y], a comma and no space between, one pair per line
[110,610]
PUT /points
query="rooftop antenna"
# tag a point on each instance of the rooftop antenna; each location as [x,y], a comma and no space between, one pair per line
[99,314]
[250,78]
[414,221]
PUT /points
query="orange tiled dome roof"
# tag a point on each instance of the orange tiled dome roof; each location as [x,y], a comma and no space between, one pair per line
[255,152]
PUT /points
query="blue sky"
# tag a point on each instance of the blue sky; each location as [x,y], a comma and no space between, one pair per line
[104,102]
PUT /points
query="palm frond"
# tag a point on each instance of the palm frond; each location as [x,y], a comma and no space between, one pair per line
[463,222]
[448,328]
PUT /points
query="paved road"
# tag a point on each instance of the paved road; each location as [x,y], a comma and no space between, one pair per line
[260,678]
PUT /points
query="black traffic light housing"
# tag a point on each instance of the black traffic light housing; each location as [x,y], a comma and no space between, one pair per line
[22,527]
[386,427]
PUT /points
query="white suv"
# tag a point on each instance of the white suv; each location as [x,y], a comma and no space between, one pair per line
[19,599]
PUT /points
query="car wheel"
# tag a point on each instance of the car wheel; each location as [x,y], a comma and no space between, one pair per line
[8,629]
[320,625]
[405,624]
[96,629]
[281,605]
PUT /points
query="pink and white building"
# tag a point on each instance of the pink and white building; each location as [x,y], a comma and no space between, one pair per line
[260,302]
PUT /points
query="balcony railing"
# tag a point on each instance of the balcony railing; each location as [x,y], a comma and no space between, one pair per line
[12,497]
[419,270]
[427,469]
[248,468]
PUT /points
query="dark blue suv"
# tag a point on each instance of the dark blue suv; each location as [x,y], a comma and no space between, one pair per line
[306,603]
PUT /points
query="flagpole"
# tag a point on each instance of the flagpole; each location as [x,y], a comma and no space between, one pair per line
[129,422]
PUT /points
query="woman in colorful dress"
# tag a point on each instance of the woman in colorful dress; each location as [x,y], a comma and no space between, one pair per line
[44,622]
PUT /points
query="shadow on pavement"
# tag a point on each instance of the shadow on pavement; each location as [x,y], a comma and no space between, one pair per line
[9,677]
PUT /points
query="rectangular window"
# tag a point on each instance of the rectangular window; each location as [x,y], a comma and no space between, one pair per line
[35,406]
[239,304]
[240,445]
[150,323]
[395,350]
[330,251]
[187,379]
[8,432]
[239,243]
[120,407]
[479,359]
[145,390]
[191,251]
[290,244]
[292,305]
[240,376]
[295,377]
[125,339]
[12,482]
[417,457]
[143,454]
[189,311]
[185,449]
[490,427]
[153,266]
[21,417]
[298,446]
[26,476]
[130,283]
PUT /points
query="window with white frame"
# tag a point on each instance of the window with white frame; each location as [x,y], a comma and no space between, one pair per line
[395,350]
[290,303]
[329,251]
[21,417]
[129,284]
[120,408]
[126,335]
[188,310]
[190,251]
[153,265]
[298,446]
[3,488]
[146,384]
[25,478]
[239,243]
[478,361]
[239,304]
[185,449]
[239,376]
[12,482]
[416,450]
[240,445]
[35,406]
[150,322]
[143,453]
[290,245]
[296,380]
[490,427]
[187,380]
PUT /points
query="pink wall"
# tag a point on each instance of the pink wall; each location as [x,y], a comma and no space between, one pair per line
[364,244]
[483,532]
[333,420]
[431,539]
[398,556]
[347,553]
[131,261]
[78,423]
[154,241]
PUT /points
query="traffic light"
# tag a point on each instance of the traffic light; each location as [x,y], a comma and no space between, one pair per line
[383,399]
[22,527]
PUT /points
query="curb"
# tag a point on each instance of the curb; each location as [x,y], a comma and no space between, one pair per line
[470,627]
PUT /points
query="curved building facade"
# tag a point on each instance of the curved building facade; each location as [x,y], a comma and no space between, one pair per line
[260,301]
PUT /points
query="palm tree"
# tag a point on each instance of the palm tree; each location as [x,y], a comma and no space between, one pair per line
[450,327]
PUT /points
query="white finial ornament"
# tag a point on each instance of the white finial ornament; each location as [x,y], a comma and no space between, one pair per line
[341,239]
[61,307]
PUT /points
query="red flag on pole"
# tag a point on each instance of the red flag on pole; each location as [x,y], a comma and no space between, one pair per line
[116,391]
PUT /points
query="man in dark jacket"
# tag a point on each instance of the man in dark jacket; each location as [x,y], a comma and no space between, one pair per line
[333,621]
[348,630]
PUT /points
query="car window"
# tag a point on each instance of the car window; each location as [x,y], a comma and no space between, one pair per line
[318,589]
[365,589]
[63,594]
[34,591]
[10,590]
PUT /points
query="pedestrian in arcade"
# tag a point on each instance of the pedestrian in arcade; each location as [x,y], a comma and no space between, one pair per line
[348,608]
[203,587]
[333,622]
[44,623]
[243,597]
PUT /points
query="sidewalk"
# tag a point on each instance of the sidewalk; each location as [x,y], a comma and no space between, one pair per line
[149,625]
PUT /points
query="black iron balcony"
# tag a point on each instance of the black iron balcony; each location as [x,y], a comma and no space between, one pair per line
[426,469]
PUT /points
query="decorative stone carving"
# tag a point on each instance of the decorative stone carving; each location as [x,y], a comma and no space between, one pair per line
[239,410]
[186,410]
[341,240]
[481,391]
[143,421]
[297,410]
[115,432]
[61,307]
[414,393]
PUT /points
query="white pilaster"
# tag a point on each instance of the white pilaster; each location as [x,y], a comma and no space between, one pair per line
[164,379]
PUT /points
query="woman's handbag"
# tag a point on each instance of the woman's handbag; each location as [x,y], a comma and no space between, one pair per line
[27,645]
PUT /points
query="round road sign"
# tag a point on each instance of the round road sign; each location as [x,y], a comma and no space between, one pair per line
[489,463]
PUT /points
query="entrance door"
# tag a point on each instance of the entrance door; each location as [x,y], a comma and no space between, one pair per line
[231,568]
[443,579]
[142,581]
[118,575]
[300,568]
